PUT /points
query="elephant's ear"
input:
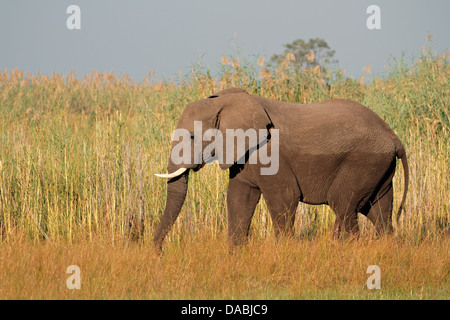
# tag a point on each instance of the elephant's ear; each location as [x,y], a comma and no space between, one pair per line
[241,115]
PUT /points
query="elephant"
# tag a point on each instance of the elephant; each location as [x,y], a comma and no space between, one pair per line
[336,152]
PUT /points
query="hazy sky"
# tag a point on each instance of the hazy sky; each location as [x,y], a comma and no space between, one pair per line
[137,37]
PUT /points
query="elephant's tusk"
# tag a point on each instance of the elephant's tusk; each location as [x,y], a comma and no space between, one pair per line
[171,175]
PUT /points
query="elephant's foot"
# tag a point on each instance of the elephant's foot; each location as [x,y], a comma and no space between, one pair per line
[336,230]
[347,230]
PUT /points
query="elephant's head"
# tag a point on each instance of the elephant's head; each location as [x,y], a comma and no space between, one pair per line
[202,123]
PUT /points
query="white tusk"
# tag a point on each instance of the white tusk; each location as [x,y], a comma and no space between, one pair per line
[171,175]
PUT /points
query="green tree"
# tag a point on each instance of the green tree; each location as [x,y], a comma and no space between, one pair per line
[307,54]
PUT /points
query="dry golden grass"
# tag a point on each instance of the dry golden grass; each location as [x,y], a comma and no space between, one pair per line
[202,267]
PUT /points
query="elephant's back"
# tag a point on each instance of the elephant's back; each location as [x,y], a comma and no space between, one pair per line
[337,126]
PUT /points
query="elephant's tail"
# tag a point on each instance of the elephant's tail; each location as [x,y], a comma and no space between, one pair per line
[401,154]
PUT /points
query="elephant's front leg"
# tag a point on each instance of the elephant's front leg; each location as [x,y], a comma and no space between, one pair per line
[241,201]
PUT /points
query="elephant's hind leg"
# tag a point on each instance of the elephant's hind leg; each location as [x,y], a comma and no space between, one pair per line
[345,201]
[336,229]
[346,222]
[380,212]
[282,205]
[241,202]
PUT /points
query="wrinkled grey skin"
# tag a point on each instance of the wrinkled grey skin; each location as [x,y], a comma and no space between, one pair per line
[337,152]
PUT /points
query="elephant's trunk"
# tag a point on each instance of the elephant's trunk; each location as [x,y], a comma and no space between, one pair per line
[176,194]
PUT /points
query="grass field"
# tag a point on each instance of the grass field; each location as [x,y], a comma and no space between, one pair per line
[77,164]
